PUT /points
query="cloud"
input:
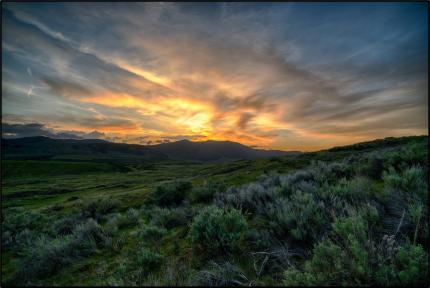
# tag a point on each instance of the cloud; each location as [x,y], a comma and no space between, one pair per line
[244,119]
[274,75]
[94,135]
[24,130]
[37,129]
[65,88]
[24,17]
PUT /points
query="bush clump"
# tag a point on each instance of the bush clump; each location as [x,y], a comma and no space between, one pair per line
[215,230]
[148,260]
[301,216]
[205,193]
[122,220]
[171,194]
[151,233]
[48,255]
[64,226]
[225,274]
[97,208]
[409,266]
[171,217]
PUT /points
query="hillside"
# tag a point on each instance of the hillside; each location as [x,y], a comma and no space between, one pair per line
[213,151]
[353,215]
[39,148]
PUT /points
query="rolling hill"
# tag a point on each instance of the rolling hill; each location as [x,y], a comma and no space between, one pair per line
[213,151]
[40,147]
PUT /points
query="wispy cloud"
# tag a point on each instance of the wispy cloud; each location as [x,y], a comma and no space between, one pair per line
[280,75]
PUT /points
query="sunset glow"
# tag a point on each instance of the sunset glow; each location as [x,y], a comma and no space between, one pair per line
[277,76]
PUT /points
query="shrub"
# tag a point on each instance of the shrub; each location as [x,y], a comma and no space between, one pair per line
[409,266]
[289,181]
[151,233]
[16,220]
[409,155]
[132,216]
[353,226]
[24,241]
[260,239]
[128,219]
[95,209]
[148,260]
[352,231]
[111,227]
[269,180]
[119,276]
[356,189]
[86,238]
[55,207]
[216,230]
[72,198]
[346,261]
[369,213]
[174,272]
[114,244]
[252,198]
[300,216]
[409,180]
[19,228]
[324,268]
[412,264]
[205,193]
[416,211]
[47,255]
[371,165]
[65,225]
[6,239]
[225,274]
[330,172]
[171,194]
[376,166]
[294,277]
[169,218]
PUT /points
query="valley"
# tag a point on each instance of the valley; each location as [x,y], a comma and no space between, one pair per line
[124,223]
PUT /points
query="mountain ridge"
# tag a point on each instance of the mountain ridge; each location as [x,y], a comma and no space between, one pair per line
[42,147]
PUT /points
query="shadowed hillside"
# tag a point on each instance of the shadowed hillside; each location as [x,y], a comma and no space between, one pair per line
[213,151]
[70,149]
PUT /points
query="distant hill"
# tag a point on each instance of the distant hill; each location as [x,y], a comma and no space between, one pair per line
[380,143]
[213,151]
[41,147]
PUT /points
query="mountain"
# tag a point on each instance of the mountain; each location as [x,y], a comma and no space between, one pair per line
[41,147]
[212,151]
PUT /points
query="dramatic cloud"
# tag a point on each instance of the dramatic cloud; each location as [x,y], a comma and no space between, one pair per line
[275,75]
[37,129]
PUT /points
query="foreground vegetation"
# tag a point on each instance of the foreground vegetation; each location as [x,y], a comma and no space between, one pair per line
[354,215]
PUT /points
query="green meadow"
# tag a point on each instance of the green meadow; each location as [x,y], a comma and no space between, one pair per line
[354,215]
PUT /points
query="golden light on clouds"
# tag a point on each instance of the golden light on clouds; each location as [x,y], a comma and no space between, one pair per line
[145,74]
[160,72]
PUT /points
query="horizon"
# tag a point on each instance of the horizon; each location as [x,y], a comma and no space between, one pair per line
[277,76]
[202,141]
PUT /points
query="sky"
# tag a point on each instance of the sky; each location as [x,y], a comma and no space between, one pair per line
[288,76]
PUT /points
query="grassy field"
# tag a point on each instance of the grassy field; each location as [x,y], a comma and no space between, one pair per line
[352,215]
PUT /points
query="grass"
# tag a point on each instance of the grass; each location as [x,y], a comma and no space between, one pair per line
[292,221]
